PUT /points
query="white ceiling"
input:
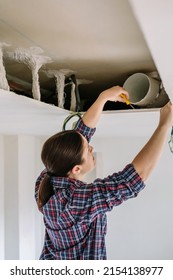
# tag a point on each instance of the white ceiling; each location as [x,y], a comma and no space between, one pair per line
[22,115]
[99,39]
[102,40]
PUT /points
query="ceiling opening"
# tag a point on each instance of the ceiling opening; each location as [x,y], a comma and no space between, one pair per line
[99,41]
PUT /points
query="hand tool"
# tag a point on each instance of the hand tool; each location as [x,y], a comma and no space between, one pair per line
[126,100]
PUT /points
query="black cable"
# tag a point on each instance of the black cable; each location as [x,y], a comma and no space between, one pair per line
[69,118]
[171,141]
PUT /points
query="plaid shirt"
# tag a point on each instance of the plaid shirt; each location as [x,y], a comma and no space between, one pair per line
[75,216]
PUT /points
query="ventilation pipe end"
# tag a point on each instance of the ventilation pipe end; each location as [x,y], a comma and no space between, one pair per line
[145,91]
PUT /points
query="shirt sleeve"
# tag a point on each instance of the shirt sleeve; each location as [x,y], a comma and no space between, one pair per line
[104,194]
[118,187]
[86,131]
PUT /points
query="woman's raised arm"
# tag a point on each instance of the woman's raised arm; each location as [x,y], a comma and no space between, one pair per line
[92,116]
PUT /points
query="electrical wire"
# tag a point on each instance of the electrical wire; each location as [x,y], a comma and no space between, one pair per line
[72,115]
[171,141]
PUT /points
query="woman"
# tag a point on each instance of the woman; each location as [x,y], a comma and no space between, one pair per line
[74,212]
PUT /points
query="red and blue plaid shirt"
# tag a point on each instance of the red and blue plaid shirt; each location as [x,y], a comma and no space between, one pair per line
[75,216]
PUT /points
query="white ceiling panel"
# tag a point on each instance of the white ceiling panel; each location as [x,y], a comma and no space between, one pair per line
[99,39]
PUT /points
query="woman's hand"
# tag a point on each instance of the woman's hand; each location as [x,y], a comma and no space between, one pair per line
[147,158]
[114,94]
[166,115]
[91,117]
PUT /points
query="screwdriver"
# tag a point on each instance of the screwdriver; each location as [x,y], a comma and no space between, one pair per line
[126,100]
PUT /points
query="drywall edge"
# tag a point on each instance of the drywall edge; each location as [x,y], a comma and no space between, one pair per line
[23,115]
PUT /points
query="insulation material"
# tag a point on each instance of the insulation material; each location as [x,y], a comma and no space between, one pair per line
[73,95]
[60,76]
[3,80]
[73,98]
[34,59]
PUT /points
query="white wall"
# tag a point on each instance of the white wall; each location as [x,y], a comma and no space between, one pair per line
[11,197]
[21,229]
[140,228]
[2,218]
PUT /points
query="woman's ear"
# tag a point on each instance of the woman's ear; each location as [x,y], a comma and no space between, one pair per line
[76,170]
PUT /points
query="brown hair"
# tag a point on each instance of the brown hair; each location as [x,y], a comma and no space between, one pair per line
[60,153]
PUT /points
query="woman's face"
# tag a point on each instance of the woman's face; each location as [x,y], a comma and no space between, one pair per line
[88,158]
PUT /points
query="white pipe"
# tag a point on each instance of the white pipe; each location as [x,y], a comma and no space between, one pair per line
[145,91]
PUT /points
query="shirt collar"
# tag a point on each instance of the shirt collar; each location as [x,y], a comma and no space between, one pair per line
[65,182]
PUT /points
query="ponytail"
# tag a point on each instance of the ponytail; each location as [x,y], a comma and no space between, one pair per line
[60,153]
[45,191]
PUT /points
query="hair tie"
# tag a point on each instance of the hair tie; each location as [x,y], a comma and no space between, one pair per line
[49,174]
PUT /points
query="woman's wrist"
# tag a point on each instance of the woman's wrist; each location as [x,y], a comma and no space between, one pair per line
[103,97]
[163,127]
